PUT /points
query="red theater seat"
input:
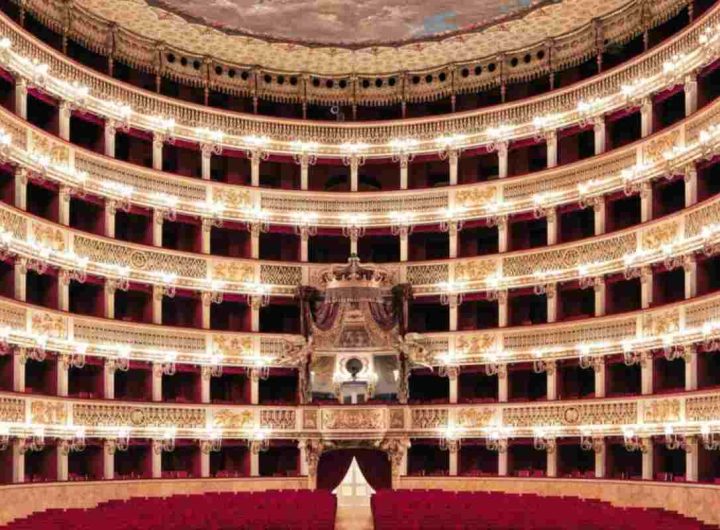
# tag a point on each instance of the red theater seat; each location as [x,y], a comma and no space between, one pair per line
[439,510]
[277,510]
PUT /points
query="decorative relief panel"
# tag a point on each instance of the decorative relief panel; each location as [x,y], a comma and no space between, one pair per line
[353,419]
[661,411]
[427,202]
[42,145]
[233,271]
[50,324]
[697,314]
[48,235]
[476,343]
[428,274]
[15,128]
[657,324]
[702,408]
[696,220]
[476,197]
[12,410]
[136,335]
[48,412]
[14,223]
[140,259]
[281,275]
[475,418]
[475,270]
[429,418]
[278,419]
[568,178]
[562,415]
[600,250]
[310,419]
[96,415]
[141,180]
[230,419]
[397,418]
[231,197]
[663,234]
[653,150]
[14,316]
[608,330]
[232,345]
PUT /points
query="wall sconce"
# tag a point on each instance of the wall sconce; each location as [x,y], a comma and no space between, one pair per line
[451,293]
[167,365]
[212,441]
[121,442]
[258,442]
[4,437]
[676,441]
[259,295]
[710,440]
[497,440]
[166,443]
[633,442]
[305,223]
[451,438]
[401,223]
[542,441]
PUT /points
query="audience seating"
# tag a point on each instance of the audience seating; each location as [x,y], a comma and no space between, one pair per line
[270,510]
[441,510]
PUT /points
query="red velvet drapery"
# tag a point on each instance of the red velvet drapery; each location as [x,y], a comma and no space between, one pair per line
[374,465]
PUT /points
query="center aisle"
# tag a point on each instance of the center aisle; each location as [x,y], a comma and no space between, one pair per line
[354,518]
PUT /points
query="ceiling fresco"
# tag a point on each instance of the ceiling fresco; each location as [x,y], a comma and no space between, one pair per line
[348,22]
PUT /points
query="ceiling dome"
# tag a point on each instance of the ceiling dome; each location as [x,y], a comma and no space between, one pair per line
[347,22]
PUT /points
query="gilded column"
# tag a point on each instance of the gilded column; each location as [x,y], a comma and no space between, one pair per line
[110,133]
[21,94]
[110,211]
[690,178]
[690,87]
[109,449]
[551,144]
[157,382]
[21,182]
[600,371]
[646,117]
[599,131]
[64,114]
[157,151]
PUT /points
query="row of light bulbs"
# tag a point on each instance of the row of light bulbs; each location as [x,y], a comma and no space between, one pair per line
[672,344]
[35,346]
[354,224]
[74,438]
[672,72]
[629,179]
[674,436]
[40,256]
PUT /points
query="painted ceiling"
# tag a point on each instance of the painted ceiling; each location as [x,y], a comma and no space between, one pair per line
[348,22]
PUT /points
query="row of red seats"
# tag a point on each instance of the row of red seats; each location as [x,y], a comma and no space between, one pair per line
[274,509]
[441,510]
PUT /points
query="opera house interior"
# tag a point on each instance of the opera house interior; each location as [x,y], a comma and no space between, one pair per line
[325,264]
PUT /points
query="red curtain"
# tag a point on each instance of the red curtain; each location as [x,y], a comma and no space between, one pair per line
[374,465]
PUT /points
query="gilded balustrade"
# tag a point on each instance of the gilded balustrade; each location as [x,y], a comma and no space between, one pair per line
[671,151]
[684,325]
[108,98]
[668,239]
[687,412]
